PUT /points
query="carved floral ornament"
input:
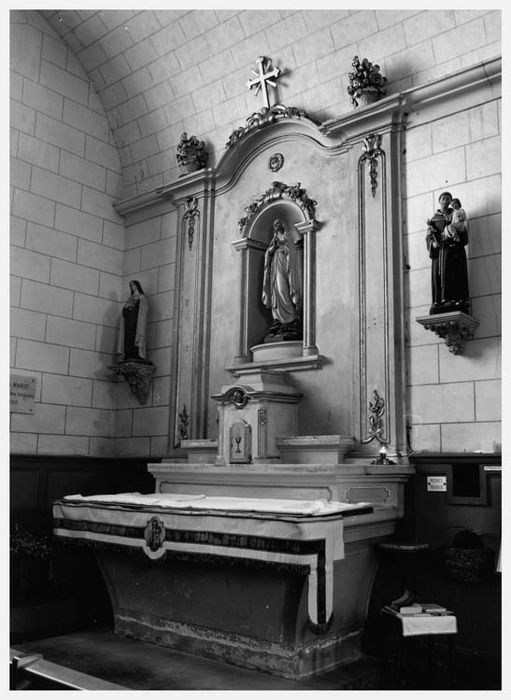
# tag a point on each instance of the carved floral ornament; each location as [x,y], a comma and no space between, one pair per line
[376,428]
[191,217]
[366,83]
[191,154]
[138,375]
[454,328]
[376,413]
[184,422]
[279,190]
[372,151]
[266,116]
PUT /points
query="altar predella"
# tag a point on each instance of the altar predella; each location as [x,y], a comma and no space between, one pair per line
[288,288]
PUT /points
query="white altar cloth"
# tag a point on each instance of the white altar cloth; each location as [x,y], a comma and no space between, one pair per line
[425,623]
[222,503]
[415,625]
[308,534]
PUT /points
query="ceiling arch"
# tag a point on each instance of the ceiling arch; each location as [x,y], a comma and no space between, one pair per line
[161,72]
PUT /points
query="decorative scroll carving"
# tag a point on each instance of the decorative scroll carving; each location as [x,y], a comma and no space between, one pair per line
[266,116]
[138,375]
[191,217]
[184,420]
[455,327]
[372,150]
[276,162]
[279,190]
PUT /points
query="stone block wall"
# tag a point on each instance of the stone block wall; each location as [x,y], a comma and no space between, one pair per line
[162,72]
[150,258]
[67,246]
[96,117]
[455,400]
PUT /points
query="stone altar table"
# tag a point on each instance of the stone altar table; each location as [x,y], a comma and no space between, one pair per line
[248,581]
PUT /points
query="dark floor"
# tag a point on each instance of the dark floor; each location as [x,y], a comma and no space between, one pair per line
[141,666]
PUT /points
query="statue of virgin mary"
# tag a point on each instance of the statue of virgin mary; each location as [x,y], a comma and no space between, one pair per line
[282,285]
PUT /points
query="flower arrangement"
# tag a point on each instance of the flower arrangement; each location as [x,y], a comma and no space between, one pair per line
[366,81]
[191,154]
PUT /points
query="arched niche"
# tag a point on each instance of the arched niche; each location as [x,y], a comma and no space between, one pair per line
[290,204]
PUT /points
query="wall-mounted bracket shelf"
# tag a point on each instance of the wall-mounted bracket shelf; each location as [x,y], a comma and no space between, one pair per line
[455,327]
[138,375]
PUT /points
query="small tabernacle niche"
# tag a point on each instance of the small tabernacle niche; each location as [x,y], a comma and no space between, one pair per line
[277,260]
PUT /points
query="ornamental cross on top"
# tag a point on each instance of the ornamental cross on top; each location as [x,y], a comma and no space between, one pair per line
[264,78]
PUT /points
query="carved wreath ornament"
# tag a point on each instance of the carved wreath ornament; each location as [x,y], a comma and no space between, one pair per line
[280,190]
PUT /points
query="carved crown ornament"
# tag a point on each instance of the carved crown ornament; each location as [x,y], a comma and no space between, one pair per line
[279,190]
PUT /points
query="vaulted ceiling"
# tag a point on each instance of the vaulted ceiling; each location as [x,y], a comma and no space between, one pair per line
[161,72]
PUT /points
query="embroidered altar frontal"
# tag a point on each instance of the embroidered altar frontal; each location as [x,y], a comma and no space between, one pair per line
[248,581]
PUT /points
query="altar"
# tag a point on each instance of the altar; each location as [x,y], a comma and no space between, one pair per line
[248,581]
[287,446]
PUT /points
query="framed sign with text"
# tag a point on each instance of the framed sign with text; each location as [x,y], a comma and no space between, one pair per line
[22,393]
